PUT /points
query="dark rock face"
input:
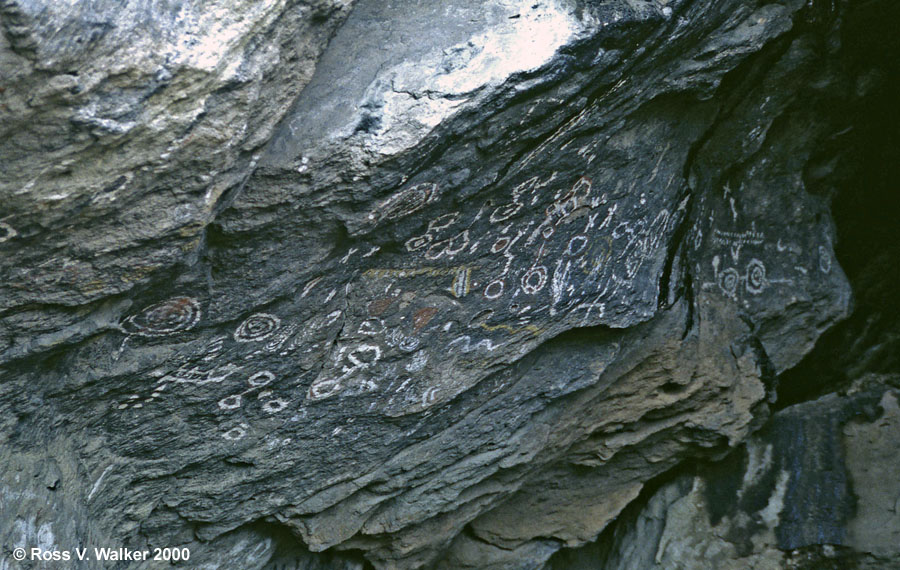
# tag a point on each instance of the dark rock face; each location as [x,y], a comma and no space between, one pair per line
[125,127]
[445,293]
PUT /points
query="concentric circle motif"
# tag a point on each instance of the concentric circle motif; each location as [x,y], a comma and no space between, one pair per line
[534,280]
[729,280]
[257,327]
[756,276]
[168,317]
[409,344]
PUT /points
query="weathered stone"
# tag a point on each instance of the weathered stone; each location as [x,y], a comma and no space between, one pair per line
[124,129]
[446,293]
[814,489]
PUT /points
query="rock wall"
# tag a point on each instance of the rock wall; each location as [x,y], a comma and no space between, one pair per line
[434,284]
[816,488]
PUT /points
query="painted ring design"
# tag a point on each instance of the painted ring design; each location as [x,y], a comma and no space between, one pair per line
[168,317]
[257,327]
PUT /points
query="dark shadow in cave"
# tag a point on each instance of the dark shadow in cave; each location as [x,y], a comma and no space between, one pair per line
[862,181]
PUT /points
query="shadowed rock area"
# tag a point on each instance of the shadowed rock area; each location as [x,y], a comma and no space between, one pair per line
[316,284]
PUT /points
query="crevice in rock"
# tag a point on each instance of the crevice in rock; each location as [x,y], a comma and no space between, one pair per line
[673,288]
[599,554]
[290,553]
[729,94]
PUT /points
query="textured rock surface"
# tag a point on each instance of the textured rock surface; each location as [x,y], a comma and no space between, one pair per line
[125,127]
[447,293]
[816,488]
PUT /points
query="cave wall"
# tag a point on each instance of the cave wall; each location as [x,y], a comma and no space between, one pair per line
[816,486]
[321,284]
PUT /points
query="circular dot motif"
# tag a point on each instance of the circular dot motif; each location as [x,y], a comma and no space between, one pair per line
[494,289]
